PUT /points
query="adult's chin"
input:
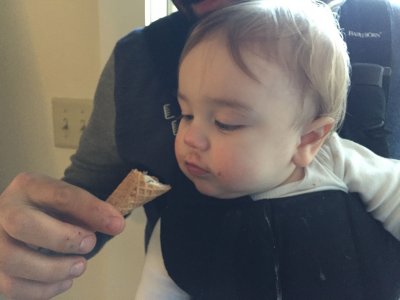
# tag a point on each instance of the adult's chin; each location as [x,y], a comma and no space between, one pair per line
[198,8]
[204,7]
[185,7]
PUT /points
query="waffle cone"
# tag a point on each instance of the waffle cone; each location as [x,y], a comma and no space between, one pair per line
[135,190]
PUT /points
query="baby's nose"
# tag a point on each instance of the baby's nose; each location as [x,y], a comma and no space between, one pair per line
[196,137]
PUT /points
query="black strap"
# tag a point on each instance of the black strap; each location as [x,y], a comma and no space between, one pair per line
[165,39]
[367,30]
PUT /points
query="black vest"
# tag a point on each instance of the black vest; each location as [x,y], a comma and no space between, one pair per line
[322,245]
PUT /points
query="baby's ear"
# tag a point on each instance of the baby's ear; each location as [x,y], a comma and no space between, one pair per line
[311,140]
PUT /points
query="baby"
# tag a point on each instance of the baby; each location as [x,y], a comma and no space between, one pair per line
[262,89]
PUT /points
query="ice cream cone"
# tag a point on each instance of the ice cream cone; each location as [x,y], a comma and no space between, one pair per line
[135,190]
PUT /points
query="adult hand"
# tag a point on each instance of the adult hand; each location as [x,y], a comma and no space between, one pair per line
[36,213]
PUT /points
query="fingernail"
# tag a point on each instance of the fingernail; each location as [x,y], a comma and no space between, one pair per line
[77,269]
[87,244]
[115,224]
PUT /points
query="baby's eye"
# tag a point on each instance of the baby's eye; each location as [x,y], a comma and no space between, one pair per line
[228,127]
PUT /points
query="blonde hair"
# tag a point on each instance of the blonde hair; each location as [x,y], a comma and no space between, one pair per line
[300,35]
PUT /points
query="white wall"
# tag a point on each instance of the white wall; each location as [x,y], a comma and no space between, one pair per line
[117,18]
[48,48]
[57,48]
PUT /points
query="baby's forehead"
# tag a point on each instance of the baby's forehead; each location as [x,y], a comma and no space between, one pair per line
[258,61]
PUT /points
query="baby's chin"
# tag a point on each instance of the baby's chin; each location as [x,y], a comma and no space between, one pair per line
[218,192]
[210,187]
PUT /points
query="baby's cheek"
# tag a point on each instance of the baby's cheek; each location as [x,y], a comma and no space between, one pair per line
[230,174]
[230,168]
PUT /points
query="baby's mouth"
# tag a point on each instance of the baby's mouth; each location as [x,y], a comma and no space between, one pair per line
[195,170]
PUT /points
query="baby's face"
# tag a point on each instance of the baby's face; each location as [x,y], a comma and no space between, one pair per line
[236,136]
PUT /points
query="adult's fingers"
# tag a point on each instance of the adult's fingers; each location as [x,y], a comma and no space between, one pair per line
[19,261]
[73,203]
[36,228]
[42,212]
[22,289]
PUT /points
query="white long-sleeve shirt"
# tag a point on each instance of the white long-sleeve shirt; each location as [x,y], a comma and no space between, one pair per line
[344,165]
[339,165]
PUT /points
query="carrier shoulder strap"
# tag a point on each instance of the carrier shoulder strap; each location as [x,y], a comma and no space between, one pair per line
[165,39]
[366,27]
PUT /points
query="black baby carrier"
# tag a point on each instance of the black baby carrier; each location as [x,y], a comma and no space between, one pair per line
[366,27]
[323,245]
